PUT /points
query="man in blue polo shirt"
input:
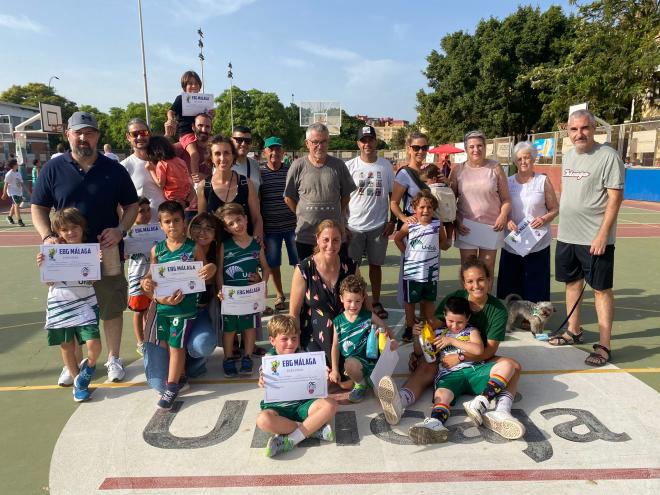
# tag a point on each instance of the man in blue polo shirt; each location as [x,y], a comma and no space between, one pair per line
[98,186]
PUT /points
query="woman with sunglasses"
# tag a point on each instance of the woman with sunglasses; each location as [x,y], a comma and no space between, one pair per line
[482,191]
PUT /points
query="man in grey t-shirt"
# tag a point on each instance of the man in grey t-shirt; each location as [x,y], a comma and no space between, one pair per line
[318,187]
[592,192]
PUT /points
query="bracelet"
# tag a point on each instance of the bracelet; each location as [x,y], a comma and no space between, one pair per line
[48,237]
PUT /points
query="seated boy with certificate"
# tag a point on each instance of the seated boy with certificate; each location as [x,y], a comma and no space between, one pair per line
[292,421]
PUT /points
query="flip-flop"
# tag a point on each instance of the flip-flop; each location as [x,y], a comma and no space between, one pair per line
[279,303]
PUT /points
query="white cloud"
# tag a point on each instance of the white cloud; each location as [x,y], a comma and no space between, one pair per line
[400,30]
[168,55]
[20,23]
[374,73]
[294,63]
[326,51]
[199,10]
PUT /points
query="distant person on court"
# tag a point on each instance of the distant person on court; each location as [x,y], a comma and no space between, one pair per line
[72,310]
[13,188]
[169,171]
[59,150]
[291,422]
[242,138]
[107,151]
[592,193]
[369,222]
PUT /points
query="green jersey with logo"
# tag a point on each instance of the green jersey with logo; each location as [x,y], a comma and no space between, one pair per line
[186,252]
[238,262]
[352,335]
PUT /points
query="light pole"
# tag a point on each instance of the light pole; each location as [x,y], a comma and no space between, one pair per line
[144,69]
[200,44]
[49,80]
[230,76]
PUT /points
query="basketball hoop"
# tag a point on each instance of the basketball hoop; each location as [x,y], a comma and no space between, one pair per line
[324,112]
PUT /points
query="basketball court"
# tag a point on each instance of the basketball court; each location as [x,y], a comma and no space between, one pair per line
[588,430]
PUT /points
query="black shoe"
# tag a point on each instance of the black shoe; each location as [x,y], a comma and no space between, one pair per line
[10,220]
[407,335]
[21,224]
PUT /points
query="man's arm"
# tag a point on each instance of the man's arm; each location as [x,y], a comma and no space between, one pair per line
[614,200]
[41,222]
[113,235]
[291,203]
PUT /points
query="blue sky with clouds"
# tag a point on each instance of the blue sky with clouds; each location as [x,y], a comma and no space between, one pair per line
[369,55]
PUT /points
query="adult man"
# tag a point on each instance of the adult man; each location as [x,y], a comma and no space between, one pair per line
[137,135]
[592,192]
[107,151]
[369,210]
[97,186]
[318,187]
[279,221]
[242,137]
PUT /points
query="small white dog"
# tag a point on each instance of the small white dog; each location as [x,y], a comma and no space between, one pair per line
[535,313]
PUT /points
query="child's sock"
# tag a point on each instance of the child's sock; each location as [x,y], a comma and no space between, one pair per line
[296,436]
[440,411]
[407,397]
[495,385]
[504,401]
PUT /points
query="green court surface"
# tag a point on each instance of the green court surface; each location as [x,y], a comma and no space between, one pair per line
[35,410]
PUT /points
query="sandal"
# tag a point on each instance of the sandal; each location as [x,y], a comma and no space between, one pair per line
[595,359]
[279,303]
[268,311]
[380,311]
[566,338]
[259,351]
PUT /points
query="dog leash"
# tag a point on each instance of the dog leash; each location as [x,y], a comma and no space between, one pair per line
[592,264]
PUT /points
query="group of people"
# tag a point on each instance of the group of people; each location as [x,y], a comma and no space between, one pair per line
[216,205]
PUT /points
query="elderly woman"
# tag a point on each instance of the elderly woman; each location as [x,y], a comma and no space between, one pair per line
[227,186]
[481,189]
[532,196]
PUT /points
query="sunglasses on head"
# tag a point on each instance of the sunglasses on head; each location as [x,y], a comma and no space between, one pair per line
[141,132]
[241,140]
[416,147]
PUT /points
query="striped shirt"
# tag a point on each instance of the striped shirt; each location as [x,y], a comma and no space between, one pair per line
[71,304]
[422,252]
[276,214]
[138,267]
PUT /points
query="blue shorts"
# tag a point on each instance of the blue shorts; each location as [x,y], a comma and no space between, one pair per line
[274,248]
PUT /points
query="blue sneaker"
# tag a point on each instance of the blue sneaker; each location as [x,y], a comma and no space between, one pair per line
[167,399]
[229,367]
[324,433]
[81,382]
[246,365]
[278,444]
[81,395]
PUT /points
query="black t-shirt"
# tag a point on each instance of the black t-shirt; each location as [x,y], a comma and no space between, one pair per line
[184,124]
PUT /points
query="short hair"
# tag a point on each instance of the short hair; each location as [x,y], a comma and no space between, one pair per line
[524,147]
[36,161]
[160,148]
[12,162]
[229,209]
[136,120]
[476,134]
[583,113]
[318,127]
[458,306]
[282,325]
[143,200]
[427,195]
[431,171]
[354,285]
[473,262]
[187,76]
[204,115]
[219,139]
[68,216]
[172,207]
[416,135]
[242,129]
[60,148]
[107,145]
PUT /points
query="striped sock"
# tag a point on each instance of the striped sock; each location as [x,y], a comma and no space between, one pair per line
[440,411]
[407,397]
[504,401]
[495,385]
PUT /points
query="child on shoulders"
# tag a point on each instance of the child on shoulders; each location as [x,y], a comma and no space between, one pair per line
[168,171]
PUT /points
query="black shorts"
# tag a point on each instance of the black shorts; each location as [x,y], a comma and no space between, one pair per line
[574,262]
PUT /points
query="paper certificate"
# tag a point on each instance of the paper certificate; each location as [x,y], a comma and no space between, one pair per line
[243,300]
[141,238]
[178,275]
[299,376]
[386,364]
[70,262]
[523,240]
[482,235]
[196,103]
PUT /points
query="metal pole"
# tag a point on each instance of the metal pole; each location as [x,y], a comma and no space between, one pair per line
[51,78]
[144,69]
[231,104]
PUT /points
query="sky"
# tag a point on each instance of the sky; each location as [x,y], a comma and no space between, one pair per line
[368,55]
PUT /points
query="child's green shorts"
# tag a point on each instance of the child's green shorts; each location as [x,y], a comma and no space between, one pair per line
[58,336]
[471,380]
[295,410]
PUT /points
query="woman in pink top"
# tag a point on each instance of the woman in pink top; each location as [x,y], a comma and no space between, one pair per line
[169,171]
[481,189]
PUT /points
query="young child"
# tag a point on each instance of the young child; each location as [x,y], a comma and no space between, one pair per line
[175,313]
[351,331]
[292,421]
[421,258]
[72,310]
[446,210]
[169,171]
[13,188]
[458,337]
[138,268]
[240,258]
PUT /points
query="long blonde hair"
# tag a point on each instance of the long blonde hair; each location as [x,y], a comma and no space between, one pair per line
[327,224]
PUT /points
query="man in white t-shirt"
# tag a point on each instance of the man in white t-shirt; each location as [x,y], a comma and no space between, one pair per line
[242,137]
[369,224]
[137,135]
[107,151]
[13,189]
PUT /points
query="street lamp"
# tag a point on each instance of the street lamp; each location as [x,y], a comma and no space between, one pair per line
[51,78]
[230,76]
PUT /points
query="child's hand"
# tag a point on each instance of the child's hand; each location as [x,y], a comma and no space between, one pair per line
[172,300]
[220,296]
[40,259]
[150,166]
[443,341]
[394,345]
[207,272]
[254,278]
[334,377]
[417,328]
[261,377]
[148,285]
[4,196]
[511,225]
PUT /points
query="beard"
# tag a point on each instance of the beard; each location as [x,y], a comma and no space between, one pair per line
[83,151]
[202,137]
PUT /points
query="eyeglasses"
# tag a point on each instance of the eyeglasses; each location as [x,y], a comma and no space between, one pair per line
[141,132]
[416,147]
[318,143]
[241,140]
[201,228]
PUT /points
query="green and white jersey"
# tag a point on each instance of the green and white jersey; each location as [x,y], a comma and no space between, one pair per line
[186,252]
[71,304]
[352,335]
[422,258]
[239,262]
[138,267]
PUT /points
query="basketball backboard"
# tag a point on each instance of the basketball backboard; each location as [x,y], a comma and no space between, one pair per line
[325,112]
[51,118]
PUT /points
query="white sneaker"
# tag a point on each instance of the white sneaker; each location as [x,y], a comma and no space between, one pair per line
[431,430]
[65,379]
[475,408]
[115,369]
[388,393]
[504,424]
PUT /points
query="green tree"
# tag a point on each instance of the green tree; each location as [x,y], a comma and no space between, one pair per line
[33,93]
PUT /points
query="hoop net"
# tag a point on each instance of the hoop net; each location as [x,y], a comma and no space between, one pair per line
[325,112]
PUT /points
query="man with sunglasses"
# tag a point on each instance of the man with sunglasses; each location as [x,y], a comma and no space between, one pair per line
[137,135]
[242,138]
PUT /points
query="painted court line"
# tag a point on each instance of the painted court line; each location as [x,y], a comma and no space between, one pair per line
[381,478]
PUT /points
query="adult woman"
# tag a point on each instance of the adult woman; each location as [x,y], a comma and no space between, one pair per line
[227,186]
[481,189]
[407,182]
[315,288]
[532,196]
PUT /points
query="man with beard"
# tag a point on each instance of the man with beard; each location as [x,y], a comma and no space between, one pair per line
[99,187]
[137,135]
[242,137]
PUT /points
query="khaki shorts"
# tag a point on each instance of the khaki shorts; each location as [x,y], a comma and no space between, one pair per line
[112,296]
